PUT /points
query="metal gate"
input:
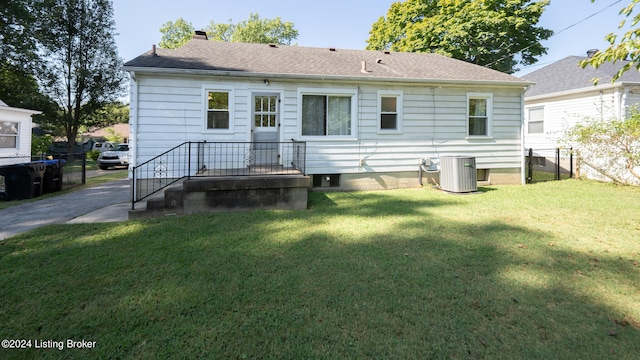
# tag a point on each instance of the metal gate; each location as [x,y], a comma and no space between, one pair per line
[550,164]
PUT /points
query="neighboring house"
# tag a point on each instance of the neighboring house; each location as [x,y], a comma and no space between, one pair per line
[369,118]
[122,130]
[564,94]
[15,134]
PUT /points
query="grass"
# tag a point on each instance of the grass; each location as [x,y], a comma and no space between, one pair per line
[540,271]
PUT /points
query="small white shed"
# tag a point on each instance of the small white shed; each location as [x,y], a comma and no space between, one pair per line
[15,134]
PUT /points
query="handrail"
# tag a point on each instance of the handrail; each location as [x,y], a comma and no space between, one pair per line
[216,159]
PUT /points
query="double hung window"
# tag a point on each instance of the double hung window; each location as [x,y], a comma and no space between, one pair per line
[479,111]
[536,120]
[389,112]
[8,135]
[218,114]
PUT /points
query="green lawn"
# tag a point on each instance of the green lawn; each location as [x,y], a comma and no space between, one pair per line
[545,271]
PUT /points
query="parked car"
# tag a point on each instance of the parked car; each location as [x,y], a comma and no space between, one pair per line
[103,146]
[117,156]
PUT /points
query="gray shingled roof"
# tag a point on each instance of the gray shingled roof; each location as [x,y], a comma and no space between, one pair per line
[565,75]
[242,59]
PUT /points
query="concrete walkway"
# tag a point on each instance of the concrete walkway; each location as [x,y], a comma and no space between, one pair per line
[107,202]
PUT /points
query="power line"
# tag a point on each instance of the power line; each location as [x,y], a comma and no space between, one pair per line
[587,18]
[557,33]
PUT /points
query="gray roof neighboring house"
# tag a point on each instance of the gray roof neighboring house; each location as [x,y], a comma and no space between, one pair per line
[567,75]
[297,62]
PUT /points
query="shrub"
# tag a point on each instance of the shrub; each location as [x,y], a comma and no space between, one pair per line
[93,154]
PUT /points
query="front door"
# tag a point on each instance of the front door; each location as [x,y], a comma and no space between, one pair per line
[266,122]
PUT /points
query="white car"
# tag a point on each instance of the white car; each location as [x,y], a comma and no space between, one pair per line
[117,156]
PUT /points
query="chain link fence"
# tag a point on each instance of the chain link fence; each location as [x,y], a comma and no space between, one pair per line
[550,164]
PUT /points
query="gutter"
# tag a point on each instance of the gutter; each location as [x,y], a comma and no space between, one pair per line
[20,110]
[240,74]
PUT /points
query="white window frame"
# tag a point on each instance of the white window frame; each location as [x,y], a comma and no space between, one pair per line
[206,89]
[489,98]
[352,93]
[16,136]
[398,112]
[538,121]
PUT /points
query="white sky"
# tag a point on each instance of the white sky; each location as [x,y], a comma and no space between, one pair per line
[346,23]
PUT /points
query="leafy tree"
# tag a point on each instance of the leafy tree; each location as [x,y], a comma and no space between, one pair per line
[176,34]
[610,147]
[112,135]
[17,27]
[19,88]
[254,30]
[499,34]
[82,68]
[110,114]
[625,48]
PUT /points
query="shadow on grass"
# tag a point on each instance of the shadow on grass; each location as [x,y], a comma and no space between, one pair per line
[366,275]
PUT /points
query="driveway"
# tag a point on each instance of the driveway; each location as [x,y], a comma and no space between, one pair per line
[75,206]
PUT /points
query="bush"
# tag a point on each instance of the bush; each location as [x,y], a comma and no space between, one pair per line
[93,154]
[40,144]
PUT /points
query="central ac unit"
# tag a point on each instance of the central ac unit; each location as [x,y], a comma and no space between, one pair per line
[458,174]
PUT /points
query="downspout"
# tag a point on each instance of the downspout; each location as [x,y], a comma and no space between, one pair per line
[133,131]
[622,111]
[522,149]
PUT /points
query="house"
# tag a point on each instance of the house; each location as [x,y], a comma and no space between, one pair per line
[120,130]
[15,134]
[564,94]
[369,119]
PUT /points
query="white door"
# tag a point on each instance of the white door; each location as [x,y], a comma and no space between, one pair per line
[266,122]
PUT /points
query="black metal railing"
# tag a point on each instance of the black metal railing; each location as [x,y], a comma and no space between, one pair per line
[192,159]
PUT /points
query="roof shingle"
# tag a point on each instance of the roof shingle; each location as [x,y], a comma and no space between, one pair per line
[244,59]
[565,75]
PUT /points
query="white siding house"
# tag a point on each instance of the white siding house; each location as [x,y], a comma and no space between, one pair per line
[15,134]
[564,95]
[369,118]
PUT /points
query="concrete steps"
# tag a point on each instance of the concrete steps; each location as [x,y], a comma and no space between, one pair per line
[232,193]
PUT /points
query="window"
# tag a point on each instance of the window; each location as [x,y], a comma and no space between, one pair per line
[390,112]
[218,110]
[536,120]
[265,111]
[327,115]
[8,135]
[479,114]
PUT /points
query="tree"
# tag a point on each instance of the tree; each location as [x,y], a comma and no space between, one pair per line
[625,48]
[610,147]
[82,68]
[252,30]
[17,44]
[18,58]
[110,114]
[176,34]
[19,88]
[499,34]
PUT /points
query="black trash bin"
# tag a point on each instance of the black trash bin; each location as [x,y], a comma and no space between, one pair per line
[22,181]
[52,179]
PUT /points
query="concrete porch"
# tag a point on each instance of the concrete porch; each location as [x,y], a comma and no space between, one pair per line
[228,193]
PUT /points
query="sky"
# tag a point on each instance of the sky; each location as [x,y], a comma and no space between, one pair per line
[345,24]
